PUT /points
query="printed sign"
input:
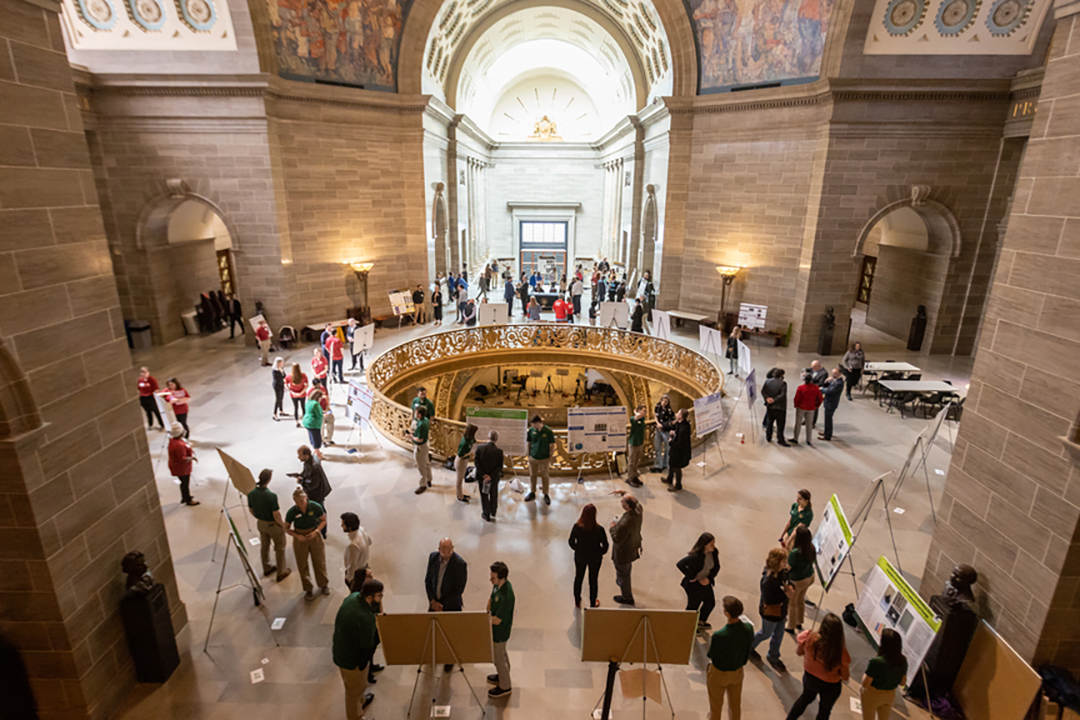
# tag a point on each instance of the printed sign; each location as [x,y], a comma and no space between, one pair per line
[512,424]
[833,541]
[402,303]
[752,316]
[596,429]
[708,414]
[887,601]
[358,404]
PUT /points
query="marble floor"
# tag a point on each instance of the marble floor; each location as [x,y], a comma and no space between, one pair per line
[743,501]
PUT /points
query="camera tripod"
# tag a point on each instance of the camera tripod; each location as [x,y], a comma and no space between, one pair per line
[549,388]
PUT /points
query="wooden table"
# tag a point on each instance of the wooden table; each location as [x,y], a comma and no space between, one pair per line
[890,367]
[922,386]
[679,316]
[315,330]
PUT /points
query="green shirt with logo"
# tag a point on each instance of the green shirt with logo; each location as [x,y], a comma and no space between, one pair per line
[502,607]
[306,520]
[540,442]
[263,504]
[637,431]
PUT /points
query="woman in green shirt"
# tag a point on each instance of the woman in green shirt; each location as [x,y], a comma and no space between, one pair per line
[802,513]
[884,674]
[313,417]
[464,452]
[801,557]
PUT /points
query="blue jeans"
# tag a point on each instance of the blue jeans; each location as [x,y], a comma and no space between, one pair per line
[773,629]
[662,444]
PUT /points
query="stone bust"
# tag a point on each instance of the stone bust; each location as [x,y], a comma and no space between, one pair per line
[139,579]
[957,592]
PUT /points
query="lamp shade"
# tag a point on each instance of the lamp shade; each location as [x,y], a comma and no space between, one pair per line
[728,271]
[362,267]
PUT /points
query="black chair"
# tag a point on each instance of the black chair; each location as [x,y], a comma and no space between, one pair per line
[900,400]
[956,411]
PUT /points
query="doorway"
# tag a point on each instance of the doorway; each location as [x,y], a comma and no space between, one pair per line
[543,248]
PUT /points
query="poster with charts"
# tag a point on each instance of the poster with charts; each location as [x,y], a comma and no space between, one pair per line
[596,429]
[512,424]
[358,404]
[833,541]
[887,601]
[708,414]
[402,303]
[752,316]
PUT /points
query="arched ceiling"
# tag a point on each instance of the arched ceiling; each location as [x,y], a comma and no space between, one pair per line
[620,35]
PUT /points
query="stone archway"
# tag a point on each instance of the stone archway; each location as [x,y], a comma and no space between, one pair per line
[941,224]
[152,226]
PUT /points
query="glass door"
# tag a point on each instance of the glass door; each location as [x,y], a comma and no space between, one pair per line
[543,249]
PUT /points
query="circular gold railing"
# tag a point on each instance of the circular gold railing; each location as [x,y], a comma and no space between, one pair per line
[678,367]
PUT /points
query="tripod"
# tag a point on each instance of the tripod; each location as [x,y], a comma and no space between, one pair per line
[549,388]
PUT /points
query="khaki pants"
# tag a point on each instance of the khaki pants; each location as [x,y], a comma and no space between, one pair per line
[355,686]
[797,605]
[328,427]
[462,466]
[264,349]
[543,468]
[423,463]
[803,417]
[502,664]
[877,704]
[633,459]
[314,548]
[721,683]
[270,531]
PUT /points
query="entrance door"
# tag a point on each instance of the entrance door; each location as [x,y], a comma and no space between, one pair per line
[543,248]
[225,272]
[866,279]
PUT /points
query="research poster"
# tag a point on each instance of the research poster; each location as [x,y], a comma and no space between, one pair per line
[358,404]
[752,316]
[363,338]
[617,313]
[708,414]
[402,303]
[596,429]
[512,424]
[493,314]
[833,541]
[887,601]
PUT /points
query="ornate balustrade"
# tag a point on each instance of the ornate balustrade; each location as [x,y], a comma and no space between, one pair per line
[682,369]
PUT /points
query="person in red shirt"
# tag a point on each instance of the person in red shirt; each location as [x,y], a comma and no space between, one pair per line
[147,387]
[297,382]
[559,306]
[262,337]
[178,397]
[569,303]
[318,368]
[808,398]
[181,456]
[335,348]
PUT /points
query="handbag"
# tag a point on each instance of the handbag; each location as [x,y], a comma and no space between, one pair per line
[772,611]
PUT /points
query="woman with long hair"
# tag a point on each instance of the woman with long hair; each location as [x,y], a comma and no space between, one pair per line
[801,557]
[699,569]
[464,452]
[680,452]
[802,513]
[826,665]
[853,363]
[589,542]
[277,381]
[178,397]
[732,353]
[884,674]
[776,593]
[297,391]
[312,422]
[147,386]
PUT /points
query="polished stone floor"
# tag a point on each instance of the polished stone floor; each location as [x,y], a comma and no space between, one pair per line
[743,501]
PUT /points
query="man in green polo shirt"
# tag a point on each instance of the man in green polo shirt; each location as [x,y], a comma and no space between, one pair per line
[501,607]
[728,653]
[540,440]
[307,519]
[635,444]
[421,400]
[421,430]
[263,504]
[355,639]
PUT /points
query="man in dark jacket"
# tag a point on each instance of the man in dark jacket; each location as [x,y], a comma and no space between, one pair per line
[626,546]
[489,465]
[832,392]
[508,296]
[774,393]
[447,573]
[637,320]
[236,316]
[312,478]
[355,640]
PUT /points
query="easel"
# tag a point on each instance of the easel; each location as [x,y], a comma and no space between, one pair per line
[225,511]
[429,642]
[942,418]
[863,513]
[252,581]
[906,471]
[704,451]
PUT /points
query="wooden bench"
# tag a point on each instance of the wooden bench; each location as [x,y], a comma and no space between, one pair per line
[679,316]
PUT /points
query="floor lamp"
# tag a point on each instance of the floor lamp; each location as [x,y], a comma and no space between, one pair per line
[362,269]
[727,274]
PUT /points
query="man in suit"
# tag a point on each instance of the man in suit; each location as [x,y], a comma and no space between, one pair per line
[489,465]
[236,316]
[447,574]
[626,546]
[832,391]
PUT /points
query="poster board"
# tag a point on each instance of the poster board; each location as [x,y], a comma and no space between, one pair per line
[404,637]
[493,314]
[254,322]
[596,429]
[239,474]
[888,601]
[708,414]
[833,541]
[401,302]
[751,386]
[994,682]
[512,424]
[358,404]
[746,363]
[752,316]
[363,338]
[661,324]
[168,415]
[711,341]
[615,312]
[608,633]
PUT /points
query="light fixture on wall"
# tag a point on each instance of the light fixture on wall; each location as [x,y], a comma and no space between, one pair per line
[362,269]
[727,274]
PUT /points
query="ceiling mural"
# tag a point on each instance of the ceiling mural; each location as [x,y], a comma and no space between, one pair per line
[955,27]
[201,25]
[350,42]
[758,42]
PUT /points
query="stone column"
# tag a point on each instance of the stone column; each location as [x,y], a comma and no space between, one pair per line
[77,487]
[1011,505]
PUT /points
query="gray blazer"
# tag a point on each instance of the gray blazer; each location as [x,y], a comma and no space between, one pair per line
[626,536]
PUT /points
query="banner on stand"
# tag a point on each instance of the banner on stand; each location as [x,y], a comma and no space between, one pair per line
[887,601]
[512,424]
[358,404]
[708,414]
[833,541]
[596,429]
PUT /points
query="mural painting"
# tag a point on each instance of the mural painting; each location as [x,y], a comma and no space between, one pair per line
[750,42]
[345,41]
